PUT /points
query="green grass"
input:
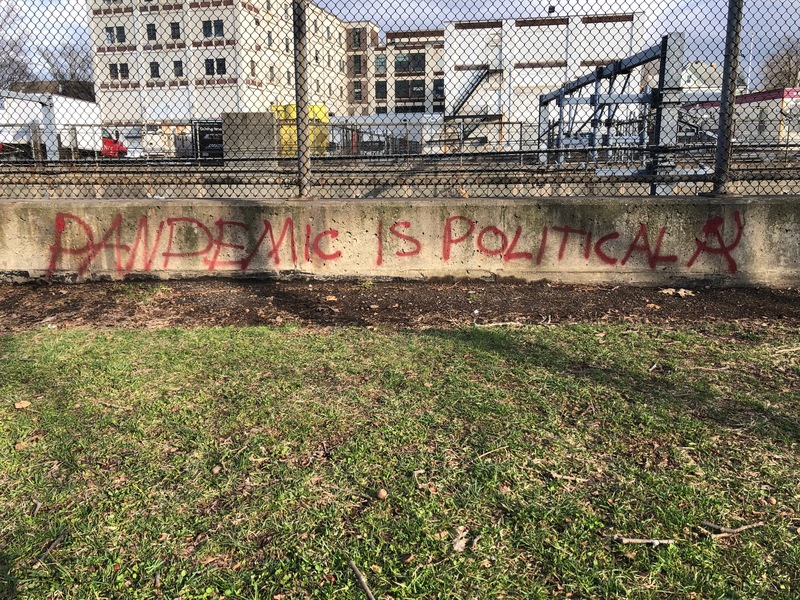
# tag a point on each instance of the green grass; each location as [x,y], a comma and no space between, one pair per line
[245,462]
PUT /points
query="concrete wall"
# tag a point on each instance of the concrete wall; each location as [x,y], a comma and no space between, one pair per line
[641,240]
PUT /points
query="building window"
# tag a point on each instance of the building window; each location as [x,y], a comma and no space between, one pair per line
[356,65]
[380,110]
[113,71]
[329,60]
[257,22]
[269,39]
[175,30]
[357,91]
[380,90]
[404,89]
[177,68]
[115,35]
[215,66]
[356,38]
[252,68]
[315,26]
[316,56]
[328,32]
[330,89]
[271,74]
[123,70]
[410,108]
[287,44]
[409,63]
[150,29]
[380,64]
[213,29]
[288,78]
[155,70]
[438,89]
[268,6]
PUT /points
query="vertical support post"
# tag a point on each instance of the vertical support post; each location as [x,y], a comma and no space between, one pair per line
[596,116]
[727,105]
[50,135]
[301,98]
[668,100]
[544,125]
[560,138]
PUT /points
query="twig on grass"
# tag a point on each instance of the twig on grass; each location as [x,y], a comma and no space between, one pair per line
[648,542]
[555,475]
[787,350]
[361,581]
[52,546]
[117,406]
[726,531]
[712,369]
[480,456]
[500,324]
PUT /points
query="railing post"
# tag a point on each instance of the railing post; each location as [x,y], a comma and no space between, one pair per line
[301,98]
[722,162]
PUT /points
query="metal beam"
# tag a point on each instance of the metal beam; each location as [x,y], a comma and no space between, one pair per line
[615,68]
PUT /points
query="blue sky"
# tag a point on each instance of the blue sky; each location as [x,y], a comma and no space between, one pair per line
[766,22]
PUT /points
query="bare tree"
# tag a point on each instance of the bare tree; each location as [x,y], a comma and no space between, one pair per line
[70,61]
[782,67]
[14,64]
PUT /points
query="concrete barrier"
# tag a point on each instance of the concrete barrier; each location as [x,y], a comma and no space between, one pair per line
[649,241]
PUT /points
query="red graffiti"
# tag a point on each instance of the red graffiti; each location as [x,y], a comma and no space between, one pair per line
[448,241]
[406,238]
[640,243]
[237,245]
[712,230]
[194,238]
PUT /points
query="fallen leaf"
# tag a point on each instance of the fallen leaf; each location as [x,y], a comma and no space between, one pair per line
[375,568]
[374,306]
[654,306]
[331,298]
[668,291]
[216,470]
[20,445]
[23,404]
[440,536]
[683,293]
[486,563]
[460,541]
[407,558]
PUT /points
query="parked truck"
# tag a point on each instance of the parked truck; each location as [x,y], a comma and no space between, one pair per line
[54,127]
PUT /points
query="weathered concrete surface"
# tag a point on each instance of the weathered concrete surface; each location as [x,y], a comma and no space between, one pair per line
[739,241]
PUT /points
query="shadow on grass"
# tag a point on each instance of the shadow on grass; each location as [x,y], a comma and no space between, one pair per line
[659,389]
[8,585]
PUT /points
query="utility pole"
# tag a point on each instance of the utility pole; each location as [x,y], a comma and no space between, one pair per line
[722,163]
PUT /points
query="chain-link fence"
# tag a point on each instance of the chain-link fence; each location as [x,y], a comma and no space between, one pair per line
[343,99]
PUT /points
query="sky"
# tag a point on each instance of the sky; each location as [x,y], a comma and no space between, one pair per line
[766,23]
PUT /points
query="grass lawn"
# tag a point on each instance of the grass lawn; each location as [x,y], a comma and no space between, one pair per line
[247,463]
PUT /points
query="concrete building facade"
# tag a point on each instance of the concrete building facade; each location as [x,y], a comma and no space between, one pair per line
[169,63]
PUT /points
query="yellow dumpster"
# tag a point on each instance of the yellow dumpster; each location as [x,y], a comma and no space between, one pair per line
[286,115]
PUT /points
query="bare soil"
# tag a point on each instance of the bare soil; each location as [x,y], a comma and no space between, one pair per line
[218,302]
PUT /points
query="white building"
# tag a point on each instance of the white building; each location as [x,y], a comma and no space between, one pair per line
[162,64]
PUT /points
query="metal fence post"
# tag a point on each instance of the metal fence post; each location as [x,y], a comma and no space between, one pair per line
[722,162]
[301,98]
